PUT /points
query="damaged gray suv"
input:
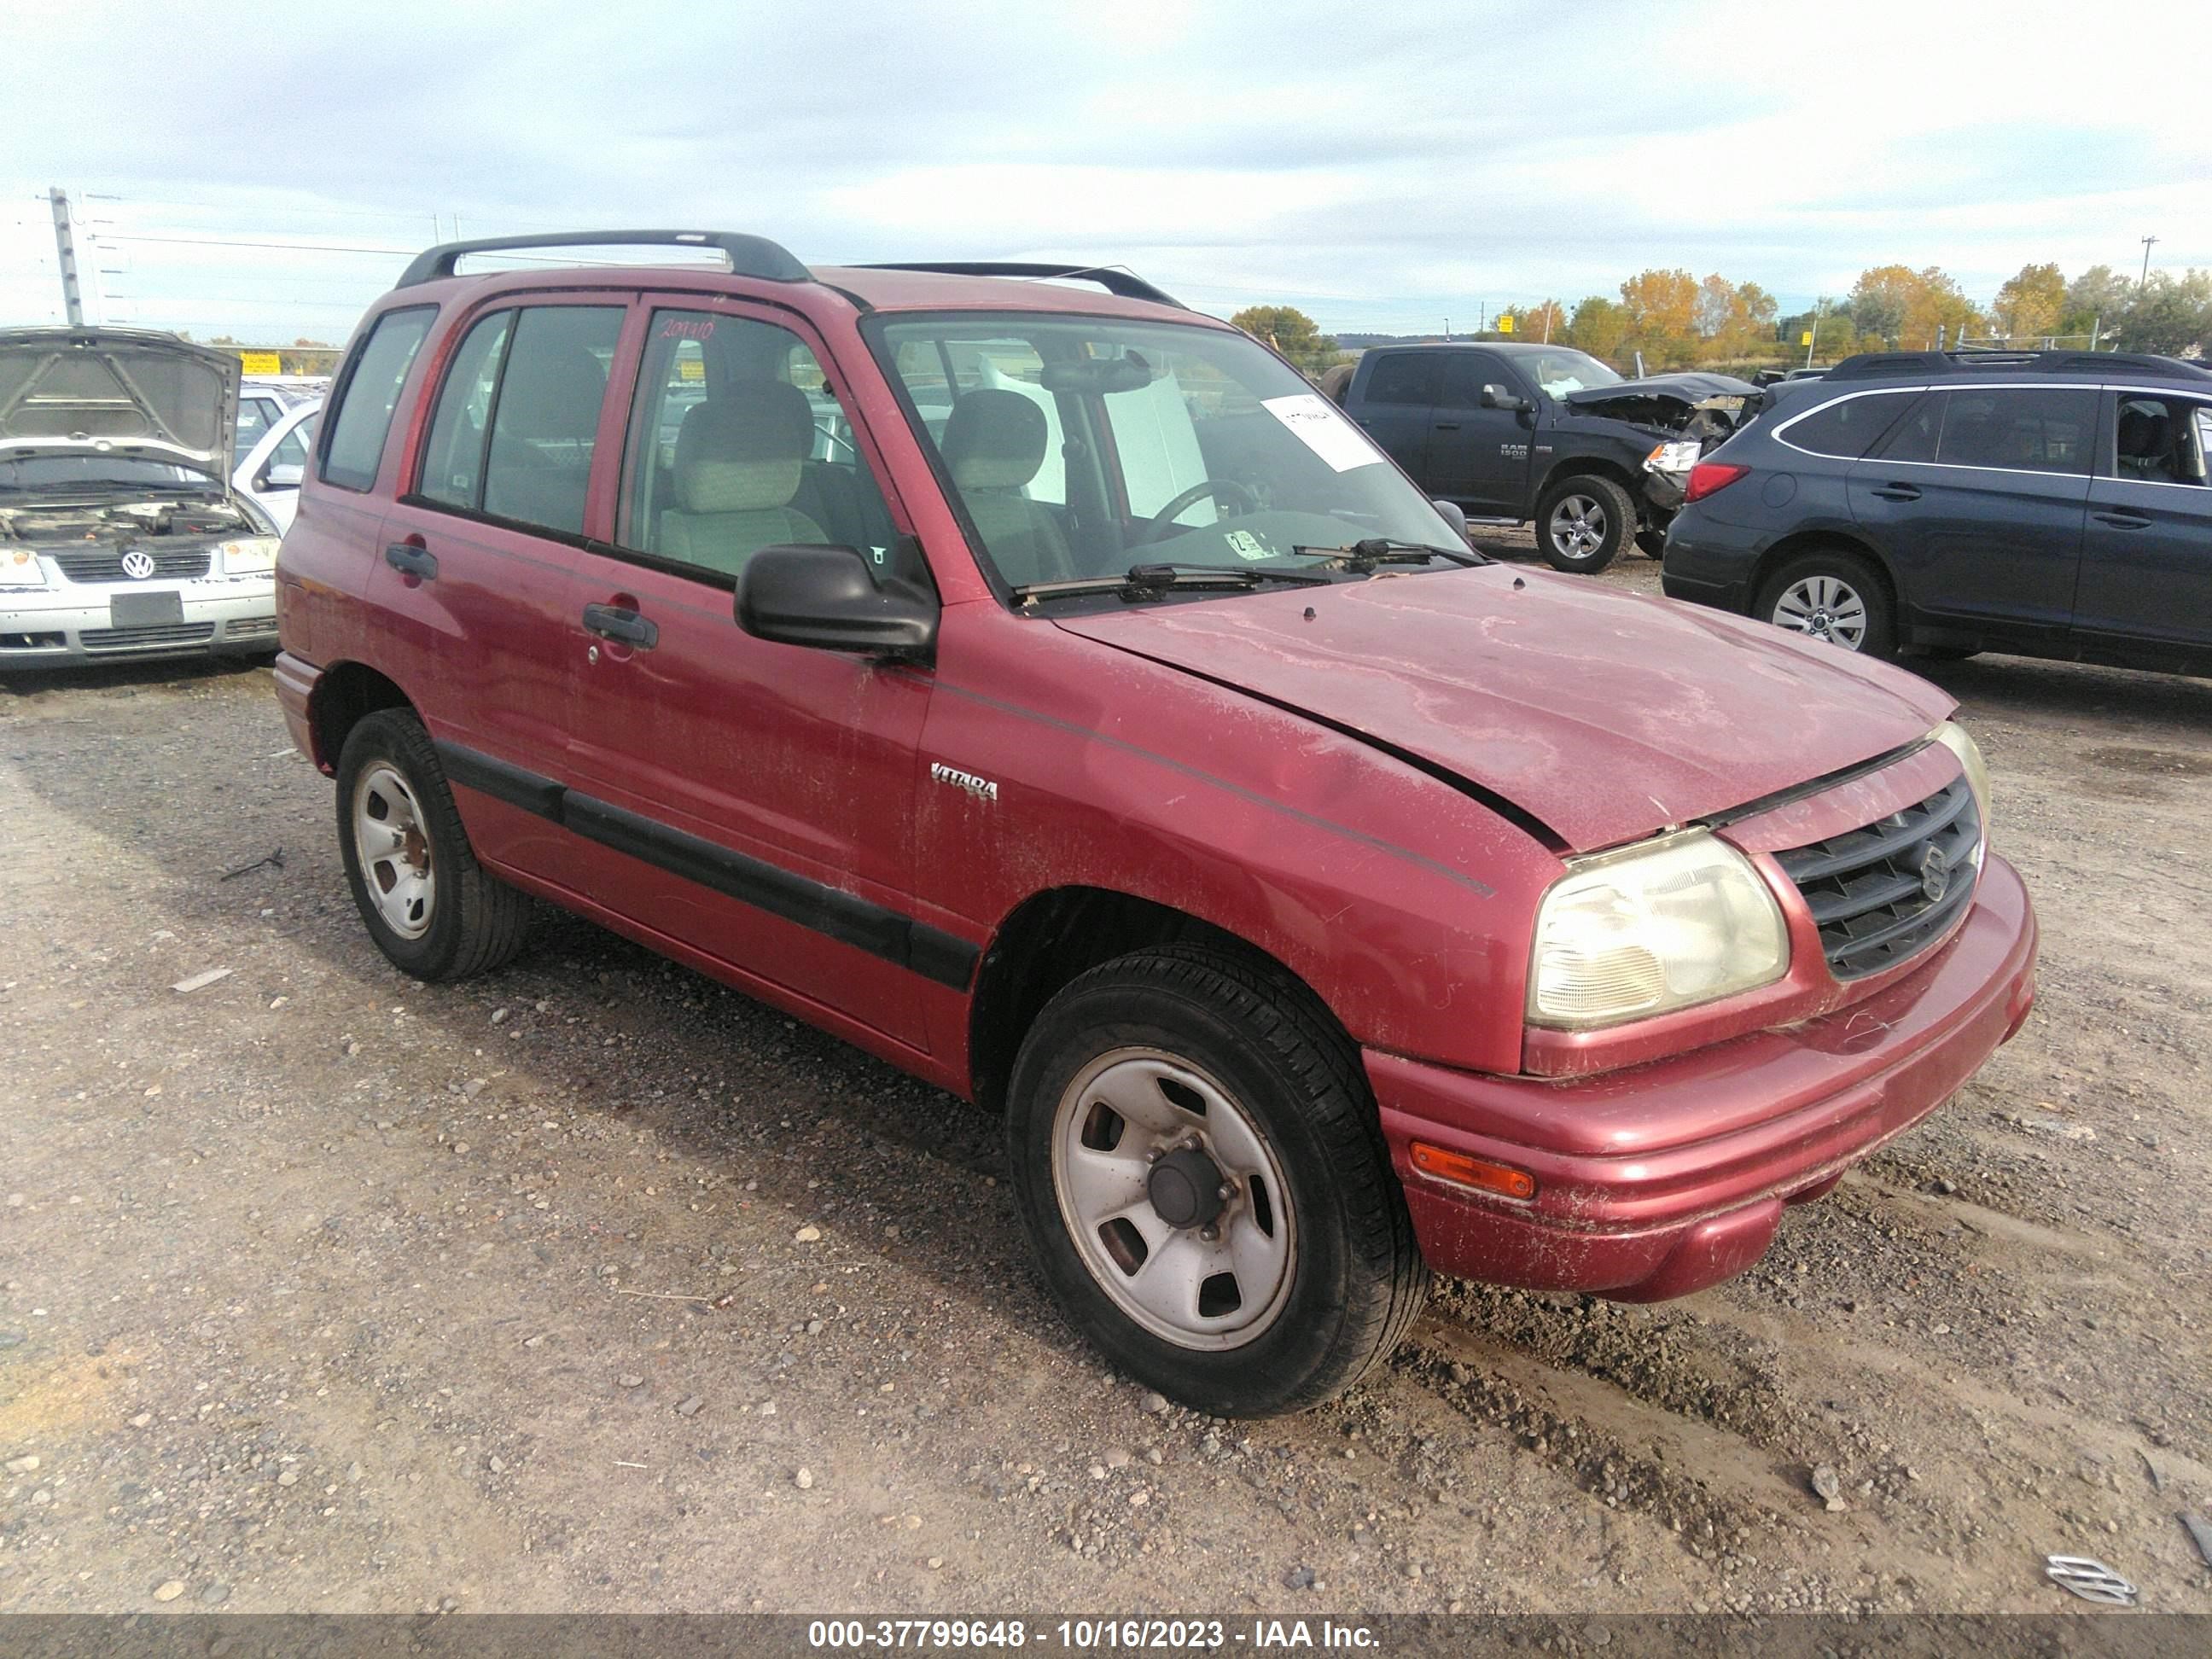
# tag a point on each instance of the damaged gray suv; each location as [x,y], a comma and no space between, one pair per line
[121,535]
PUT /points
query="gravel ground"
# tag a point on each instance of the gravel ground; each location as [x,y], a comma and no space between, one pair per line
[591,1286]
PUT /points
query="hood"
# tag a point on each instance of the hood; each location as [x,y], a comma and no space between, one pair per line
[1605,715]
[117,391]
[1690,390]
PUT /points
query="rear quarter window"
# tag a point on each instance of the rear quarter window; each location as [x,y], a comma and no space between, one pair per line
[367,396]
[1850,428]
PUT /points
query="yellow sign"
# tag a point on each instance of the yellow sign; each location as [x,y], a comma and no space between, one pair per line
[690,368]
[1505,323]
[261,362]
[1805,338]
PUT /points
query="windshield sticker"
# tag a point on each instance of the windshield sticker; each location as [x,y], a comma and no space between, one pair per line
[1246,545]
[1324,430]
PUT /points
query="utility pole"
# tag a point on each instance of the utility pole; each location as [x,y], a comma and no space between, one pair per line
[65,250]
[1447,330]
[1820,309]
[1547,322]
[2145,281]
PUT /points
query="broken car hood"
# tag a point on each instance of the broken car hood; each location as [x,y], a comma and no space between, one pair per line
[125,392]
[1692,391]
[1604,714]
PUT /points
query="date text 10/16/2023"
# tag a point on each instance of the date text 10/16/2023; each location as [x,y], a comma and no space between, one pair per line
[1085,1635]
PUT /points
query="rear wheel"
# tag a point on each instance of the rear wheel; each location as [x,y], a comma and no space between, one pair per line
[1582,522]
[1196,1155]
[1834,596]
[428,903]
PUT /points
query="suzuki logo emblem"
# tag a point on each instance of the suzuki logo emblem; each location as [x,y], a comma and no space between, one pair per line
[137,565]
[1935,874]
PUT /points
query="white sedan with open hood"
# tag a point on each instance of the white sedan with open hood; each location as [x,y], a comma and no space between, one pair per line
[121,535]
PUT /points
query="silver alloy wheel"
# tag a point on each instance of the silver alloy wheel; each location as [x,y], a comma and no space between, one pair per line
[1130,1129]
[1827,607]
[394,851]
[1578,526]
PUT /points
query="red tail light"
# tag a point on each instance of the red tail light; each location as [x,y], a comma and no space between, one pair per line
[1708,477]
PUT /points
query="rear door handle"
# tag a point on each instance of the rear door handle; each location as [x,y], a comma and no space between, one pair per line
[1446,426]
[410,560]
[1897,492]
[613,622]
[2122,520]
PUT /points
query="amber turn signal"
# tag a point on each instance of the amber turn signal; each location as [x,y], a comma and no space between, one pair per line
[1458,1168]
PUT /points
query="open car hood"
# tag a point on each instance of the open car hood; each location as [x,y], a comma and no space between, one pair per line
[126,392]
[1690,390]
[1604,714]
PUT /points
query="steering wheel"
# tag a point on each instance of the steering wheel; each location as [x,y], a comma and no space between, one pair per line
[1229,492]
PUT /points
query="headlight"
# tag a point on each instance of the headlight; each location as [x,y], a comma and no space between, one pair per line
[248,557]
[1960,742]
[1674,457]
[20,567]
[1676,921]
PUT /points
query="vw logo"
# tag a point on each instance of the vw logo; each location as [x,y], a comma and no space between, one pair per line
[137,564]
[1935,874]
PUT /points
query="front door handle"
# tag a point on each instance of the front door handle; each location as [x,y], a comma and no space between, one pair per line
[2122,520]
[613,622]
[1446,426]
[1897,492]
[411,560]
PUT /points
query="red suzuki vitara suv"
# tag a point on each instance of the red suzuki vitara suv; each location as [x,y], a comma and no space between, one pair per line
[1050,692]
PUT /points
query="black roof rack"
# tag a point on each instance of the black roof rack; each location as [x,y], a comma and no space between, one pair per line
[749,256]
[1883,364]
[1126,284]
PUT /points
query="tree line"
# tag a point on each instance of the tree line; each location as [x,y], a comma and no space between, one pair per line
[1675,320]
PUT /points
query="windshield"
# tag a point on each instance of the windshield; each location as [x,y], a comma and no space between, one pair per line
[105,473]
[1560,371]
[1080,446]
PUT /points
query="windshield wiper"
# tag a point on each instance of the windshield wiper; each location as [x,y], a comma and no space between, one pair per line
[1364,555]
[1140,580]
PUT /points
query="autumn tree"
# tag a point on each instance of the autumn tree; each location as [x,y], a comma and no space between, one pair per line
[1598,326]
[2171,313]
[1291,332]
[1545,320]
[1910,308]
[2032,304]
[1661,304]
[2096,300]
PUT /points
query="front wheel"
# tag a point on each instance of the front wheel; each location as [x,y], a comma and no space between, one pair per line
[1197,1158]
[1582,522]
[1833,596]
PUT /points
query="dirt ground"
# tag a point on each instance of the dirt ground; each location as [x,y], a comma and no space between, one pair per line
[591,1286]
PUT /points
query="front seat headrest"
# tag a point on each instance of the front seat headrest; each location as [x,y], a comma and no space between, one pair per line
[994,439]
[553,396]
[745,451]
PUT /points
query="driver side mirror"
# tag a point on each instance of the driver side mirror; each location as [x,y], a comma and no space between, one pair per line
[1496,396]
[285,476]
[805,593]
[1450,514]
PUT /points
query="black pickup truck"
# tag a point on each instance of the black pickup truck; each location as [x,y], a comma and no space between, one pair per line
[1548,432]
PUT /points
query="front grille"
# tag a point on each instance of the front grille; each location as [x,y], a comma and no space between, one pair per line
[134,638]
[105,564]
[1869,888]
[249,626]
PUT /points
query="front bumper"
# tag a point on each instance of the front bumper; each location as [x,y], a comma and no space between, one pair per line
[1639,1196]
[73,622]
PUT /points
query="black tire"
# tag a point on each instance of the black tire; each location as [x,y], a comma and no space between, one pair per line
[1582,522]
[471,921]
[1354,1279]
[1652,543]
[1834,594]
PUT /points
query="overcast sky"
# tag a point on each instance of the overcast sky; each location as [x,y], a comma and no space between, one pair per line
[1381,166]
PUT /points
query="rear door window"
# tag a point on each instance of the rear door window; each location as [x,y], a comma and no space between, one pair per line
[1404,377]
[2019,428]
[452,465]
[545,414]
[2160,440]
[1849,428]
[353,446]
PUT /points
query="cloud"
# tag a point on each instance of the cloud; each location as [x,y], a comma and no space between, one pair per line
[1380,165]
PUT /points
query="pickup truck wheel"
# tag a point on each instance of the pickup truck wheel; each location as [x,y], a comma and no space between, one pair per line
[1832,595]
[1582,522]
[426,903]
[1197,1158]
